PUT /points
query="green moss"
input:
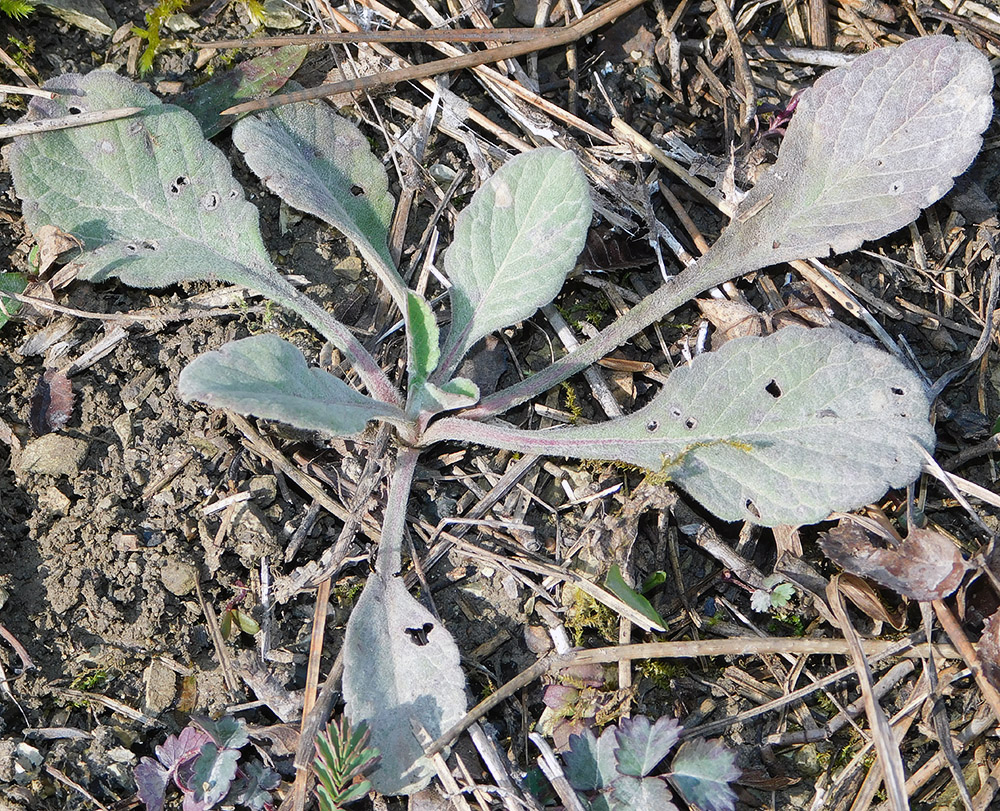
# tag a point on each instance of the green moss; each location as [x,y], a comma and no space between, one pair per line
[585,613]
[155,17]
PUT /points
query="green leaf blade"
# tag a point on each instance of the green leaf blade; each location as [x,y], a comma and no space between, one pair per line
[701,773]
[616,584]
[256,78]
[514,245]
[320,163]
[268,377]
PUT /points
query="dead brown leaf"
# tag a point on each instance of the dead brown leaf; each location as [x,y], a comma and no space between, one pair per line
[731,319]
[925,566]
[52,242]
[989,649]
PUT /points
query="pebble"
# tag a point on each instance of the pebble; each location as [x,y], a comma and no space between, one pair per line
[178,578]
[53,455]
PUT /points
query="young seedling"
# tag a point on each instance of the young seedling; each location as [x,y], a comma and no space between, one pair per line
[615,771]
[776,430]
[204,762]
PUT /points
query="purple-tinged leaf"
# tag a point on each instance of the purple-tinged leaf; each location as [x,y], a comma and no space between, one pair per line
[701,773]
[647,794]
[256,78]
[925,566]
[212,775]
[641,745]
[151,780]
[177,749]
[52,402]
[778,430]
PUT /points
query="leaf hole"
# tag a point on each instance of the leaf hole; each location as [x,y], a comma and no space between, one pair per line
[773,389]
[652,425]
[210,201]
[149,245]
[880,163]
[895,188]
[131,248]
[898,391]
[675,412]
[419,636]
[233,194]
[74,110]
[690,423]
[752,508]
[356,190]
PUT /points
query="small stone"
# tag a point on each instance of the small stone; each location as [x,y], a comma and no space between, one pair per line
[53,455]
[264,489]
[54,501]
[179,578]
[161,688]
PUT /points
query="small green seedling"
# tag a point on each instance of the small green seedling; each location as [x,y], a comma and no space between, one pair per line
[342,757]
[777,430]
[615,771]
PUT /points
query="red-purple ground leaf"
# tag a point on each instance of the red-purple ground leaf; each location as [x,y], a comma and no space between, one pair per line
[52,402]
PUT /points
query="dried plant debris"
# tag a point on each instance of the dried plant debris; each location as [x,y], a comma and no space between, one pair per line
[924,566]
[52,402]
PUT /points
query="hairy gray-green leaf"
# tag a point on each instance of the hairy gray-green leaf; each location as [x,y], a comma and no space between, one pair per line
[320,163]
[400,666]
[423,349]
[268,377]
[778,430]
[869,145]
[514,245]
[153,202]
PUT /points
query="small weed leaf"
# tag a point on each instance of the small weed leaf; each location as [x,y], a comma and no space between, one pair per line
[151,781]
[254,789]
[268,377]
[647,794]
[641,745]
[616,584]
[228,732]
[341,757]
[10,283]
[701,772]
[590,761]
[212,775]
[514,245]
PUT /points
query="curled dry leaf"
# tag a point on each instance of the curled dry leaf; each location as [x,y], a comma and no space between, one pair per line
[925,566]
[53,242]
[989,649]
[52,402]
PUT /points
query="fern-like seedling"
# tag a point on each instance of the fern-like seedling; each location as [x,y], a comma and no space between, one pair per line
[341,757]
[18,9]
